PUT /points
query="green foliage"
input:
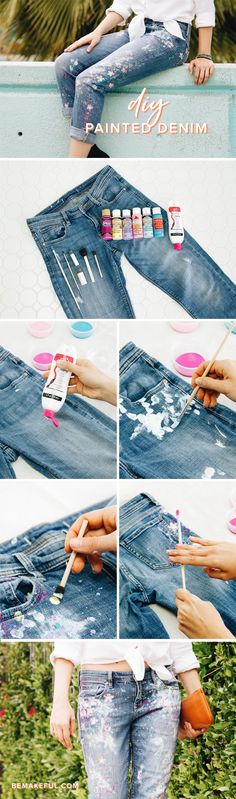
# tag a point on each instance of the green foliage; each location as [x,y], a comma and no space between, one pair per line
[202,769]
[40,29]
[205,767]
[27,751]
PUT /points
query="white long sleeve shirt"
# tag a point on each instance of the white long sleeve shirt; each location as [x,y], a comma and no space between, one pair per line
[167,11]
[157,654]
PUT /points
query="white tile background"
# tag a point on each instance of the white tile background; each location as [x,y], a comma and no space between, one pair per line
[206,190]
[204,507]
[100,348]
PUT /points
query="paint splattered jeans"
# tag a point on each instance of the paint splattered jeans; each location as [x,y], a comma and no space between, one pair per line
[123,721]
[155,440]
[54,453]
[84,78]
[147,577]
[31,566]
[72,226]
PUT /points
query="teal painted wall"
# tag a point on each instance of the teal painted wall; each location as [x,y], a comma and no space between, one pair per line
[31,123]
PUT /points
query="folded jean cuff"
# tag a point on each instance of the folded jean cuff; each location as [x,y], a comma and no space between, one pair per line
[81,135]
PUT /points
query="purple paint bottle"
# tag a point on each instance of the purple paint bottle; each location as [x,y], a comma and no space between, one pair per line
[127,226]
[106,224]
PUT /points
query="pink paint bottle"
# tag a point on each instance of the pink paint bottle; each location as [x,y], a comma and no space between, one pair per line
[106,224]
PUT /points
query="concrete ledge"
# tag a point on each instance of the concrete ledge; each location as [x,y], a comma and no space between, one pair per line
[31,123]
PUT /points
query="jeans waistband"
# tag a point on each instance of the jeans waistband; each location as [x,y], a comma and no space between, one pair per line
[144,505]
[82,197]
[102,677]
[130,353]
[152,25]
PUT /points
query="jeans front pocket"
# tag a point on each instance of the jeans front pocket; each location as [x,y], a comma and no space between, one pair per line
[54,233]
[11,373]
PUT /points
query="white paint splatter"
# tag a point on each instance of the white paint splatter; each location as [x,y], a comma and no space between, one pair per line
[209,473]
[219,443]
[156,423]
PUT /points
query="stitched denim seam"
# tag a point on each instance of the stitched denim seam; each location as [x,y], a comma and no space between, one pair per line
[134,581]
[126,469]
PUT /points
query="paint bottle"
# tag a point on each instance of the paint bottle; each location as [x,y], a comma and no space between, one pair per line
[147,223]
[116,225]
[137,223]
[127,225]
[176,230]
[158,227]
[106,224]
[55,389]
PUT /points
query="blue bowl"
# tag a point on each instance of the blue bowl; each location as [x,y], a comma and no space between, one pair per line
[82,329]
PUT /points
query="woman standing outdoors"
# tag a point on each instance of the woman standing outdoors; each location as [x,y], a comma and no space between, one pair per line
[128,711]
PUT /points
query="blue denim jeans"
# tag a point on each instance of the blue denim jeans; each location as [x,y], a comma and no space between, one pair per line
[83,446]
[122,720]
[155,441]
[85,78]
[72,224]
[31,566]
[147,530]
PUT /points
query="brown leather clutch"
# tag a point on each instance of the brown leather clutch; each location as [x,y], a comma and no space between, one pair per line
[196,709]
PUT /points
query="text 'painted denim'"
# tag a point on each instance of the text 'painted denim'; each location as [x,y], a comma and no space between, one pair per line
[122,720]
[31,566]
[155,440]
[84,444]
[72,224]
[85,78]
[147,530]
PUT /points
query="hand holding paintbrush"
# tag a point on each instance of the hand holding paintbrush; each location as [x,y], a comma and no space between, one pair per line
[208,367]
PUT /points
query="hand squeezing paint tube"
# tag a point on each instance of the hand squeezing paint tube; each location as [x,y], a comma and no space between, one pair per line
[55,389]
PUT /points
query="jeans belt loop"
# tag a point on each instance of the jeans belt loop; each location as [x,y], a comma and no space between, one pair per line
[110,679]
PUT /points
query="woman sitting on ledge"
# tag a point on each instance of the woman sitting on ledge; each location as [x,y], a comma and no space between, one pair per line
[157,39]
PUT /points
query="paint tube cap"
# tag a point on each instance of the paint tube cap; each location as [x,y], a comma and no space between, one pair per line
[126,212]
[50,415]
[178,246]
[137,211]
[116,213]
[106,212]
[156,210]
[146,211]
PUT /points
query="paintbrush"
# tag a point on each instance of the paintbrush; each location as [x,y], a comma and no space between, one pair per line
[208,368]
[58,594]
[177,513]
[84,255]
[67,281]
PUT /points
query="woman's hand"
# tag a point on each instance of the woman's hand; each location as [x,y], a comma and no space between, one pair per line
[220,380]
[187,731]
[218,559]
[92,39]
[89,381]
[100,537]
[198,619]
[62,723]
[202,68]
